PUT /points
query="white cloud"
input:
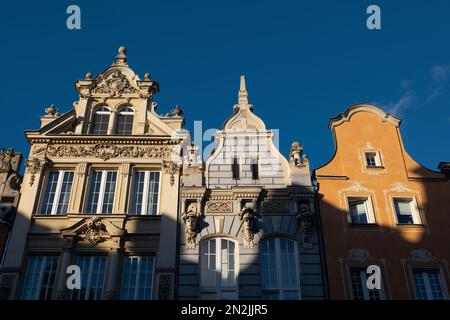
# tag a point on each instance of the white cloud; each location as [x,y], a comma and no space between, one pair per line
[406,100]
[440,73]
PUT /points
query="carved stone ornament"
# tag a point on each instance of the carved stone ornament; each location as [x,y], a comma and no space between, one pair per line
[191,218]
[421,255]
[34,166]
[171,168]
[108,151]
[249,217]
[306,221]
[358,254]
[275,206]
[115,85]
[95,231]
[6,158]
[219,206]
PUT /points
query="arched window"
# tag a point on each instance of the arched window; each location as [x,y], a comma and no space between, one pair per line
[100,121]
[125,121]
[218,269]
[279,269]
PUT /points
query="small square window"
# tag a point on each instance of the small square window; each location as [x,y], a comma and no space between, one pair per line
[360,210]
[372,159]
[406,211]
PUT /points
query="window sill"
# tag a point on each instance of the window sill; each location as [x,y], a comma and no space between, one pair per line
[364,225]
[411,225]
[374,167]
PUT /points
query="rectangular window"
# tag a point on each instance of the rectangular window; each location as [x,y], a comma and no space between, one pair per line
[57,192]
[372,159]
[40,278]
[279,269]
[254,167]
[428,284]
[145,196]
[360,291]
[235,168]
[360,209]
[406,211]
[137,278]
[101,191]
[92,278]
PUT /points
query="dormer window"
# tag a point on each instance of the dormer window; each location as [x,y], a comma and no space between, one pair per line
[372,159]
[125,119]
[100,121]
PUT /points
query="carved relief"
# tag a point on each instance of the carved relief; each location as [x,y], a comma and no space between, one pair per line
[115,85]
[305,220]
[107,151]
[358,254]
[171,168]
[275,206]
[222,207]
[191,218]
[95,231]
[6,158]
[249,217]
[421,255]
[34,166]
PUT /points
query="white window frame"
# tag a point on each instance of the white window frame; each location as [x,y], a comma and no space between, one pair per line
[144,206]
[136,284]
[377,158]
[363,276]
[426,281]
[57,191]
[125,112]
[417,220]
[369,208]
[218,290]
[98,111]
[101,192]
[41,276]
[280,289]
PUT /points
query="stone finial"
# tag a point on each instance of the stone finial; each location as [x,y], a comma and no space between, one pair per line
[243,94]
[121,58]
[88,76]
[296,153]
[147,76]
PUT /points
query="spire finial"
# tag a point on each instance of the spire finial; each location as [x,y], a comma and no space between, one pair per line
[243,94]
[121,57]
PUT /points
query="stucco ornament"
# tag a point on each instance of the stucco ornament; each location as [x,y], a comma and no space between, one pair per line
[6,158]
[34,166]
[249,217]
[296,155]
[115,85]
[52,111]
[421,255]
[95,231]
[171,168]
[191,218]
[305,220]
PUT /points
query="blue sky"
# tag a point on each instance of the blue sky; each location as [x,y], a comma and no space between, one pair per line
[304,61]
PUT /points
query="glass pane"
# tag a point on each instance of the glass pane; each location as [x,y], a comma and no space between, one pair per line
[50,192]
[435,285]
[65,193]
[137,278]
[268,264]
[403,210]
[94,191]
[124,123]
[419,283]
[40,278]
[100,123]
[358,212]
[356,282]
[153,193]
[288,267]
[92,278]
[110,188]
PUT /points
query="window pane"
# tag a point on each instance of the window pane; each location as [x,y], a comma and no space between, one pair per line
[403,211]
[50,192]
[92,278]
[66,186]
[94,191]
[124,123]
[145,194]
[137,278]
[100,123]
[268,265]
[356,282]
[371,159]
[427,284]
[138,192]
[153,193]
[289,273]
[40,278]
[110,188]
[435,285]
[358,211]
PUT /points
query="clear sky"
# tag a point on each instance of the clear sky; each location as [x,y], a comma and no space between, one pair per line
[304,61]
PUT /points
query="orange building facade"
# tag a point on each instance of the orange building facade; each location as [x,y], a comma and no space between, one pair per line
[379,207]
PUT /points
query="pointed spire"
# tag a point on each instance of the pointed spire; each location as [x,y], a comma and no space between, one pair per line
[121,58]
[243,94]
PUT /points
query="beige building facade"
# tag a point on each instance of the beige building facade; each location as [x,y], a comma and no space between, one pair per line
[100,191]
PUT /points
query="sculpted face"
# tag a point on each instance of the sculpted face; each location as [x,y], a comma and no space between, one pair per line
[191,223]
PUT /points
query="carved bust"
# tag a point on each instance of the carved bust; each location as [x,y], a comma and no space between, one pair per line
[305,220]
[248,217]
[190,219]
